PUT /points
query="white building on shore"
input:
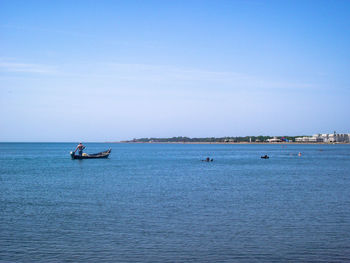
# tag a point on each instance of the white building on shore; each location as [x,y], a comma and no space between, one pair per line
[274,139]
[328,138]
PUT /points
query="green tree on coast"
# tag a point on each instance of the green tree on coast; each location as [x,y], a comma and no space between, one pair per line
[227,139]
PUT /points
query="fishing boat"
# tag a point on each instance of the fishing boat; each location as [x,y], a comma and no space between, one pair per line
[104,154]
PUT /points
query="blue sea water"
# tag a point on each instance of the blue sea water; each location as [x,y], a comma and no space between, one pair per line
[160,203]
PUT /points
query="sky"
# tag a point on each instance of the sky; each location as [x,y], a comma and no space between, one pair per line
[117,70]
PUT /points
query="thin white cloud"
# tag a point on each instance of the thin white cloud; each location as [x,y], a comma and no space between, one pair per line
[6,66]
[160,73]
[159,76]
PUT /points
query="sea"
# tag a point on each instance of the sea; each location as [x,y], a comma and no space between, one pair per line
[162,203]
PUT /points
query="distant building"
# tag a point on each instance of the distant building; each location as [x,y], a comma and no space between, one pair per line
[328,138]
[274,139]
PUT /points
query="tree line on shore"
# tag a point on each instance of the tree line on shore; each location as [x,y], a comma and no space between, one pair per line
[260,138]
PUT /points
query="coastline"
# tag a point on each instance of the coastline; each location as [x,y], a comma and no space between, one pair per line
[233,143]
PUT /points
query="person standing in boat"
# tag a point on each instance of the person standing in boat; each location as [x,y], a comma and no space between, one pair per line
[80,149]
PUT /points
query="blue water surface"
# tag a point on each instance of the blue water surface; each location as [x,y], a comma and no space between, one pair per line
[161,203]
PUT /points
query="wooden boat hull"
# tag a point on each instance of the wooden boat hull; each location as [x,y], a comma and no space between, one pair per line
[101,155]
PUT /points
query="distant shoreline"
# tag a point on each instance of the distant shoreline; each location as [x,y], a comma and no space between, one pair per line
[233,143]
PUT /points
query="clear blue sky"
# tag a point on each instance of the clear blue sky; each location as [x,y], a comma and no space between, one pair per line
[114,70]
